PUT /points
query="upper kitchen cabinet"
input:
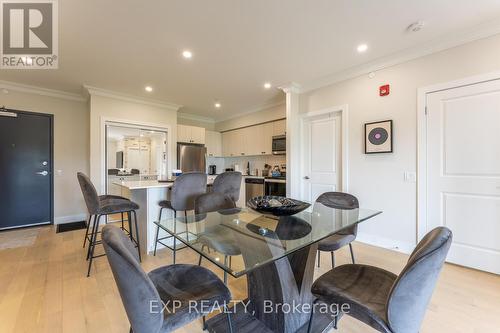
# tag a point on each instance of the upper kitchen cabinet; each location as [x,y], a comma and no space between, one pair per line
[190,134]
[267,139]
[253,140]
[214,143]
[279,127]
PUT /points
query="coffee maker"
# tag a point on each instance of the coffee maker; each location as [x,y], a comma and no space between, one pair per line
[212,169]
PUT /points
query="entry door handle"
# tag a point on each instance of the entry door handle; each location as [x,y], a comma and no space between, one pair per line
[306,177]
[42,173]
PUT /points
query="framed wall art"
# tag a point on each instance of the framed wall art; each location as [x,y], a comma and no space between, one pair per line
[378,137]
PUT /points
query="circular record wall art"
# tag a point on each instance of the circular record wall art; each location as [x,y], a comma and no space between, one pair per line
[378,137]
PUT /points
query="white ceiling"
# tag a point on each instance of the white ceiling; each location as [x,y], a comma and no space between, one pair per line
[237,45]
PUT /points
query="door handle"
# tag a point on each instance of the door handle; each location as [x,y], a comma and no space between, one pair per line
[306,177]
[42,173]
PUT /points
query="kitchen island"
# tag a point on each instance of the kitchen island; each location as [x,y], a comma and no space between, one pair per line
[147,194]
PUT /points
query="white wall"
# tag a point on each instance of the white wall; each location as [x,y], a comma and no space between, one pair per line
[71,147]
[378,179]
[103,108]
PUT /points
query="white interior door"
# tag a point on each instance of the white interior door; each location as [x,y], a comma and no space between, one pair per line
[463,171]
[321,155]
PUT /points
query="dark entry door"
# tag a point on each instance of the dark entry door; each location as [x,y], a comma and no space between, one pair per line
[25,169]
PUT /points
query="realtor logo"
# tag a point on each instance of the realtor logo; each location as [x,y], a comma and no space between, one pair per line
[29,34]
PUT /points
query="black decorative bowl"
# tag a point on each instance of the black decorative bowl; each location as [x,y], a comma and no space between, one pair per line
[277,206]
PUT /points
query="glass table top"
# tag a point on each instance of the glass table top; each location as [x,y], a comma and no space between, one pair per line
[240,240]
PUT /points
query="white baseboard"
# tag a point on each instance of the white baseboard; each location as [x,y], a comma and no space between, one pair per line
[70,218]
[386,243]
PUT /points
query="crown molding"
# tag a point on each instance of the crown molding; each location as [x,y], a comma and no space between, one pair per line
[25,88]
[130,98]
[190,116]
[292,87]
[481,31]
[250,111]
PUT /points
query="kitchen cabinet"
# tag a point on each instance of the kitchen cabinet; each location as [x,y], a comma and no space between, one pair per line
[190,134]
[253,140]
[213,141]
[267,139]
[279,127]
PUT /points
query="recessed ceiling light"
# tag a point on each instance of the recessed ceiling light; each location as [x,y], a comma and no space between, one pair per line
[187,54]
[217,105]
[148,88]
[267,85]
[362,48]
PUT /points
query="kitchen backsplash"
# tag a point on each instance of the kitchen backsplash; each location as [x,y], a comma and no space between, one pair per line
[256,162]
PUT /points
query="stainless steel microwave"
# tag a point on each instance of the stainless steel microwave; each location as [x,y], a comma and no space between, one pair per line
[279,145]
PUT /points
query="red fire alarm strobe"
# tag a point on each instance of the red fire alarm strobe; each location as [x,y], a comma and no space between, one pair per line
[384,90]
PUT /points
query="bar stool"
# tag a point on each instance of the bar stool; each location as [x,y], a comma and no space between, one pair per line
[228,183]
[107,205]
[103,199]
[186,188]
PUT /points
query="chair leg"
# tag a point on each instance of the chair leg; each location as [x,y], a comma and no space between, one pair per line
[129,217]
[199,261]
[137,236]
[175,240]
[229,324]
[157,232]
[122,221]
[333,260]
[91,235]
[93,241]
[311,317]
[204,327]
[352,253]
[87,231]
[319,257]
[225,273]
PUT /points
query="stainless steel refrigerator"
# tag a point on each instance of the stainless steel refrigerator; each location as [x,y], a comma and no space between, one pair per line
[191,157]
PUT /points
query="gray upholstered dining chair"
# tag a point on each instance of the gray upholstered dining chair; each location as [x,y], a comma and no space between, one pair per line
[144,295]
[219,237]
[228,183]
[381,299]
[186,188]
[99,206]
[338,200]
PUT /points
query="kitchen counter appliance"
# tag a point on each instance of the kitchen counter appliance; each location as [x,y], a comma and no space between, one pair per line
[279,145]
[191,157]
[254,187]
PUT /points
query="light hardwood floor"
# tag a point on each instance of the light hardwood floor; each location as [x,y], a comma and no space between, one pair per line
[44,288]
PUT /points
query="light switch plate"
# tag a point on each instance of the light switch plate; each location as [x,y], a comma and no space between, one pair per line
[410,177]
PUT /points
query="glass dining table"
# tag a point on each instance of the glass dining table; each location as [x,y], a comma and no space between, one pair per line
[277,255]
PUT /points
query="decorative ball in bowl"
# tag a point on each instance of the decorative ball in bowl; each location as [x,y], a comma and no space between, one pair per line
[277,206]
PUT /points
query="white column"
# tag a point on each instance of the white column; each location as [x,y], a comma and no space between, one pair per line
[292,140]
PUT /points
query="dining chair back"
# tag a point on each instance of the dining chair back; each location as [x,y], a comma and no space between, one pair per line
[89,193]
[186,188]
[212,202]
[338,200]
[136,289]
[412,291]
[228,183]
